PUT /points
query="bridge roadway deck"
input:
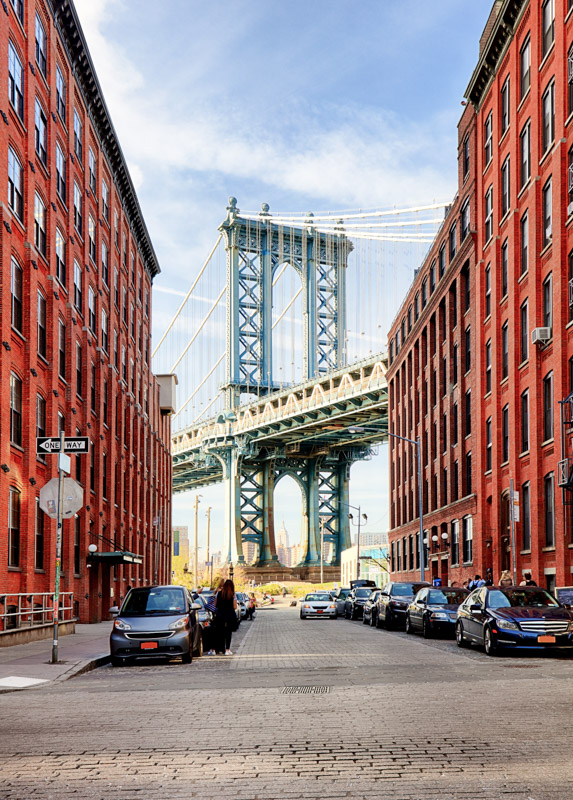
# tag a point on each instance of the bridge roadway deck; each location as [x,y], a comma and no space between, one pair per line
[403,719]
[307,419]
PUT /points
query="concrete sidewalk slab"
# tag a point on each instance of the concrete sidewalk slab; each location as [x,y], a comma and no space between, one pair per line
[25,666]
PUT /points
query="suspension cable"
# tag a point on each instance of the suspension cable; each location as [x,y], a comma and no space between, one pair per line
[200,328]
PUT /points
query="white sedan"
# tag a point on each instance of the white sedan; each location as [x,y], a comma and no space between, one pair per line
[318,604]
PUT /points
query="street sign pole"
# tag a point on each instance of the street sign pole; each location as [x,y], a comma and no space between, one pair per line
[58,552]
[512,518]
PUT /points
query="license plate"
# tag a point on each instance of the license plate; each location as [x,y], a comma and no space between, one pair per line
[319,610]
[546,639]
[149,645]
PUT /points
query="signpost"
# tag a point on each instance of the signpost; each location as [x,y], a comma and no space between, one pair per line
[60,498]
[514,517]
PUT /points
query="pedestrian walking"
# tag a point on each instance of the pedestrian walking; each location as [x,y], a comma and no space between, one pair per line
[505,579]
[527,579]
[251,605]
[225,618]
[212,607]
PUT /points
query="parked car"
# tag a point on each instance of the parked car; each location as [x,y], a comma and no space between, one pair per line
[354,605]
[362,582]
[205,620]
[514,618]
[393,603]
[369,613]
[318,604]
[339,598]
[242,604]
[434,610]
[155,621]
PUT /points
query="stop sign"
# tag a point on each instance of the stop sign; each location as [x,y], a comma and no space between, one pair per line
[73,498]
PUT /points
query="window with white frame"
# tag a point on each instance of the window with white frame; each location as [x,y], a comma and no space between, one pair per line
[525,67]
[548,121]
[105,263]
[60,173]
[92,238]
[78,287]
[15,81]
[92,168]
[16,283]
[41,47]
[547,199]
[39,224]
[60,94]
[525,153]
[60,257]
[505,187]
[78,209]
[489,214]
[524,242]
[488,138]
[505,106]
[15,184]
[41,132]
[41,330]
[105,200]
[104,330]
[547,25]
[78,136]
[467,539]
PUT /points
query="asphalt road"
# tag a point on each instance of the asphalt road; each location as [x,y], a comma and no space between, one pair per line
[318,709]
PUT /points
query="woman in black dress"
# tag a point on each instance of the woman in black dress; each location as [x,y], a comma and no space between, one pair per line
[226,618]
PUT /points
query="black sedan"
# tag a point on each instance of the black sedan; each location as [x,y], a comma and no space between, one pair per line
[434,610]
[393,603]
[354,605]
[369,612]
[515,617]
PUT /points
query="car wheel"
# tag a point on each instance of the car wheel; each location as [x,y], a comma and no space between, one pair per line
[426,629]
[409,628]
[117,662]
[379,621]
[373,620]
[489,643]
[302,615]
[388,621]
[346,614]
[364,620]
[200,647]
[460,638]
[187,657]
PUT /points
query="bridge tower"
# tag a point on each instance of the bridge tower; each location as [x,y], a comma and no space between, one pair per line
[255,250]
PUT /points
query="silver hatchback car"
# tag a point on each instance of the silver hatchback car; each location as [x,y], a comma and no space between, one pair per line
[155,621]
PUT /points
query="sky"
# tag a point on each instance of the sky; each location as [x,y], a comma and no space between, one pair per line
[314,105]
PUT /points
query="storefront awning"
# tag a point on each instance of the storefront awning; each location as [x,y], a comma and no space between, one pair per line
[115,557]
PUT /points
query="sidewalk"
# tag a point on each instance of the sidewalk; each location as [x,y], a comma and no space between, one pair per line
[24,666]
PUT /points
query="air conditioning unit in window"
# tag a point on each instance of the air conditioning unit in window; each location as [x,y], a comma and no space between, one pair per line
[540,335]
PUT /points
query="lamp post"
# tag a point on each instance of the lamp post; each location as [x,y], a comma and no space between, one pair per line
[360,518]
[196,563]
[208,515]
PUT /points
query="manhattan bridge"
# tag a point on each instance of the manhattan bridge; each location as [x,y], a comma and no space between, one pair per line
[273,380]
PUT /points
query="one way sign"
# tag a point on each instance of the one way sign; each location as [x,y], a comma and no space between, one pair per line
[51,444]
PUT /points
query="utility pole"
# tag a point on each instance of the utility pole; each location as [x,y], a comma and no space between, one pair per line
[208,515]
[61,468]
[196,570]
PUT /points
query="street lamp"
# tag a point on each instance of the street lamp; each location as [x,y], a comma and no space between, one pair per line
[196,563]
[360,518]
[418,445]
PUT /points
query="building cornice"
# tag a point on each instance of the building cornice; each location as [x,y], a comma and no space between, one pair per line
[68,26]
[502,32]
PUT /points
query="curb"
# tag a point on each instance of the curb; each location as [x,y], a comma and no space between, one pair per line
[80,668]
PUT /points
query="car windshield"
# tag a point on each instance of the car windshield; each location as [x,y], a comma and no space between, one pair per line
[402,589]
[447,597]
[528,598]
[322,597]
[152,600]
[363,592]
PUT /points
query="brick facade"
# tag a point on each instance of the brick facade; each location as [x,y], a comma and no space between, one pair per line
[87,367]
[520,271]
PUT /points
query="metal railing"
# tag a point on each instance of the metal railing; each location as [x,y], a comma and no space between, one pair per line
[24,610]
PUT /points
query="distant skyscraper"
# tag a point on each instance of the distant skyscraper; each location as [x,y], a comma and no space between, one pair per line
[282,546]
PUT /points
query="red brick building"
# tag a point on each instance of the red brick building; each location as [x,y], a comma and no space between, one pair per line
[76,267]
[520,311]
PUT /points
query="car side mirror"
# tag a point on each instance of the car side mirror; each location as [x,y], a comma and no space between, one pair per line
[475,607]
[196,606]
[114,610]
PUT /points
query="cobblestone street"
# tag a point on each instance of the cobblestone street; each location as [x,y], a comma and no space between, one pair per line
[304,709]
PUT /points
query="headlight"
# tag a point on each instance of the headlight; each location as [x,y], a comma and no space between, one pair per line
[334,606]
[179,623]
[120,625]
[507,625]
[306,605]
[570,627]
[439,615]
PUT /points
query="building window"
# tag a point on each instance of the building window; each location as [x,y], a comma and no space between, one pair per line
[93,467]
[104,331]
[13,527]
[455,541]
[416,307]
[78,287]
[453,241]
[105,200]
[41,133]
[526,523]
[41,47]
[39,537]
[132,316]
[424,293]
[79,368]
[466,156]
[505,106]
[441,260]
[488,446]
[18,6]
[116,228]
[60,257]
[62,349]
[489,214]
[488,138]
[105,263]
[548,407]
[78,137]
[454,364]
[467,349]
[60,94]
[468,473]
[115,349]
[570,259]
[15,410]
[93,388]
[92,238]
[78,209]
[39,224]
[467,539]
[524,330]
[465,218]
[105,405]
[92,168]
[547,214]
[92,310]
[488,366]
[468,412]
[570,81]
[504,268]
[444,432]
[548,25]
[15,81]
[505,193]
[525,67]
[504,351]
[548,105]
[524,237]
[42,340]
[16,293]
[525,155]
[525,421]
[133,269]
[15,184]
[549,511]
[60,174]
[487,282]
[547,294]
[432,285]
[505,434]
